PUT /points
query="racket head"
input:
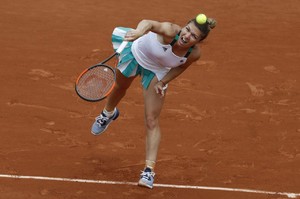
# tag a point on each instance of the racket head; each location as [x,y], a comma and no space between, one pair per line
[95,83]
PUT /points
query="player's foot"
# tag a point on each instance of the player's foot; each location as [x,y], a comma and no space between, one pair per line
[147,178]
[102,121]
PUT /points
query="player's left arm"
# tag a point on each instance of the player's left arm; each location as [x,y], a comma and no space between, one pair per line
[175,72]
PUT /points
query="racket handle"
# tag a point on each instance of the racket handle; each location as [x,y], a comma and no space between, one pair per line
[122,46]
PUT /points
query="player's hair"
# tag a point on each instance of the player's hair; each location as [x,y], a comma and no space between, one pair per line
[206,27]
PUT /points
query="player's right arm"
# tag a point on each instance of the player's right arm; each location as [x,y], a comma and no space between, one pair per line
[166,29]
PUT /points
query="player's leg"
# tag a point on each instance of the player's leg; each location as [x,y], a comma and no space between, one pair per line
[119,91]
[153,106]
[110,112]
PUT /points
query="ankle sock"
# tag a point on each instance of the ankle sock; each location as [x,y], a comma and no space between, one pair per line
[109,113]
[150,164]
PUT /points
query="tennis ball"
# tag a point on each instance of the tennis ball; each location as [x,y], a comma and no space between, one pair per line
[201,19]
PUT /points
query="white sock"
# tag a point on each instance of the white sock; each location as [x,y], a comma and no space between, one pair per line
[107,113]
[150,164]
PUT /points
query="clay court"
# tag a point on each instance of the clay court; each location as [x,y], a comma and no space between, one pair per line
[232,120]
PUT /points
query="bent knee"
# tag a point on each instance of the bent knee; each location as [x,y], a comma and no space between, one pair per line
[121,87]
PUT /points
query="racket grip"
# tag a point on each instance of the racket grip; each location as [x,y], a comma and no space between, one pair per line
[122,46]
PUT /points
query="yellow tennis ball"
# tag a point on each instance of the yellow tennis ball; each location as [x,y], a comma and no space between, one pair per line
[201,19]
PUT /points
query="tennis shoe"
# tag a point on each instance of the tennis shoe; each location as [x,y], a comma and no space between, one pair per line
[102,121]
[147,178]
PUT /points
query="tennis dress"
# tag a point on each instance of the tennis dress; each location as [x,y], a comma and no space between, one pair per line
[146,56]
[154,56]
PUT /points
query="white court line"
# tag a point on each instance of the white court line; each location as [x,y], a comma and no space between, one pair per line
[290,195]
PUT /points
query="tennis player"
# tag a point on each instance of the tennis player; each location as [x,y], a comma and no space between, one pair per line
[158,52]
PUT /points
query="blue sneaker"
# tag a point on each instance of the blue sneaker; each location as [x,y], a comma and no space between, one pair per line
[147,178]
[102,121]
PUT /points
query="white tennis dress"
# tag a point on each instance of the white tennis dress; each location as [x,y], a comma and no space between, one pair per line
[154,56]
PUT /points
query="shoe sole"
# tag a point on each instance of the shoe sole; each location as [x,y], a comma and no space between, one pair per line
[101,132]
[142,184]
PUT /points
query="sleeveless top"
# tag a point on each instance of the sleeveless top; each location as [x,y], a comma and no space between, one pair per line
[156,57]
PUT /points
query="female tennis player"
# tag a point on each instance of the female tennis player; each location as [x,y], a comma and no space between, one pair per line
[158,52]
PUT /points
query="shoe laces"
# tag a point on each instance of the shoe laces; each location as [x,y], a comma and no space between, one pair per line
[147,174]
[102,119]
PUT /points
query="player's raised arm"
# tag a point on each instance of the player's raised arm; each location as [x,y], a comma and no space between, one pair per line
[165,29]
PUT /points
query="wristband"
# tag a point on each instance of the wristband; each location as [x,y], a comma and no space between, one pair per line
[164,84]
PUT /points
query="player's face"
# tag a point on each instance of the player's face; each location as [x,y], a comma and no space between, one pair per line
[189,36]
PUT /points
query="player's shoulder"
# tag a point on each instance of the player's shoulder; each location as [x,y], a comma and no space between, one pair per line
[171,26]
[170,29]
[195,54]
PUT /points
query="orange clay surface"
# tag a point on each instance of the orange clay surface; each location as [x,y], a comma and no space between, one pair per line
[231,120]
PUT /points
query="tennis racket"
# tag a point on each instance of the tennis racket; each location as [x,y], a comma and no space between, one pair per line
[96,82]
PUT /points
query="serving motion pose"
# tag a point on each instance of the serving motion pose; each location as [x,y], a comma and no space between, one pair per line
[158,52]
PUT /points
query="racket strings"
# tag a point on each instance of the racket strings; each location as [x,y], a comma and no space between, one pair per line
[96,83]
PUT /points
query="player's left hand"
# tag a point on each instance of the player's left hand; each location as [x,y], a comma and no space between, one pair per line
[160,88]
